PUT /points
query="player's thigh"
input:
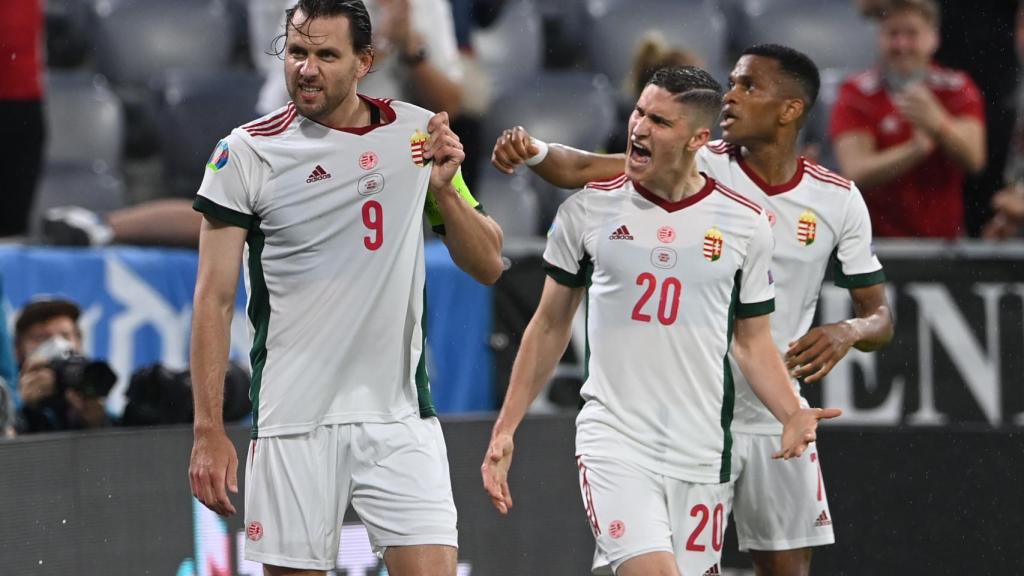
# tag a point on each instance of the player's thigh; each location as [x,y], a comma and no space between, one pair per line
[625,507]
[698,513]
[293,499]
[425,560]
[779,504]
[649,564]
[401,487]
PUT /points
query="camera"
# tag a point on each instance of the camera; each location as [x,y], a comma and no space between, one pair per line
[72,371]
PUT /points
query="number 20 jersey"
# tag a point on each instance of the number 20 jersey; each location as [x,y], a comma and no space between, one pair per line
[334,264]
[665,282]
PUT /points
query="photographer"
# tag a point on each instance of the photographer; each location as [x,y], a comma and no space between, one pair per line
[60,389]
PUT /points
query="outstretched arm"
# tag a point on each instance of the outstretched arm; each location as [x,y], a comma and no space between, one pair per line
[756,355]
[815,354]
[543,344]
[473,239]
[214,463]
[563,166]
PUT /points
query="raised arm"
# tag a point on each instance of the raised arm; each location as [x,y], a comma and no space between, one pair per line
[473,239]
[756,355]
[814,355]
[563,166]
[214,462]
[961,137]
[543,344]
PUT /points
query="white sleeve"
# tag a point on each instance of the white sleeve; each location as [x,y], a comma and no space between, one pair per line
[565,258]
[757,287]
[857,265]
[231,184]
[433,20]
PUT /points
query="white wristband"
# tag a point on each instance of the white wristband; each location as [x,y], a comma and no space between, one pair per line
[542,153]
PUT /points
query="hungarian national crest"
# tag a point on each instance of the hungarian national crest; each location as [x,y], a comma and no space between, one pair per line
[807,229]
[417,143]
[712,244]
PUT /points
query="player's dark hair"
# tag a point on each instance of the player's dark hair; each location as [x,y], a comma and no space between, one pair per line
[694,87]
[359,26]
[794,64]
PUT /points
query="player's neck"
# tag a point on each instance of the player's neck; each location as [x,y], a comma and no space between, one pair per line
[353,112]
[678,186]
[775,162]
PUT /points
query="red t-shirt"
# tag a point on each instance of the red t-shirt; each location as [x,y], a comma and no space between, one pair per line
[21,49]
[927,200]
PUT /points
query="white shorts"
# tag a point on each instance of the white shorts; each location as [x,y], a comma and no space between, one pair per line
[633,511]
[298,486]
[778,504]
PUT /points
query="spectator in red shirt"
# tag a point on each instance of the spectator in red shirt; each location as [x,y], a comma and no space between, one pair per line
[21,110]
[908,130]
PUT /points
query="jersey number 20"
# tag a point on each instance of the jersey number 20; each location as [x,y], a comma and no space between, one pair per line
[668,301]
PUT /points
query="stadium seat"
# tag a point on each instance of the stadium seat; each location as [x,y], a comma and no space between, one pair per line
[75,184]
[196,110]
[137,40]
[574,108]
[831,32]
[85,121]
[615,26]
[511,49]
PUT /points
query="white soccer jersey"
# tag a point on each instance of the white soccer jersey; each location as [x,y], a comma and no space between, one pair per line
[814,216]
[665,281]
[334,264]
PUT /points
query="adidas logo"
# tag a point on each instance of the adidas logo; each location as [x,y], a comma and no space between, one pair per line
[822,520]
[318,174]
[621,233]
[713,571]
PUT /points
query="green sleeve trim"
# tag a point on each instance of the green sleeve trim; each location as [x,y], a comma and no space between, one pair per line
[432,211]
[226,215]
[858,280]
[755,309]
[565,278]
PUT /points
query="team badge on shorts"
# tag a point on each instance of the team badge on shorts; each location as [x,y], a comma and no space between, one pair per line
[219,158]
[616,529]
[418,143]
[254,531]
[807,229]
[713,245]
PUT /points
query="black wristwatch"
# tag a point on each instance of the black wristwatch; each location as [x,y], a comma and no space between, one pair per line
[414,58]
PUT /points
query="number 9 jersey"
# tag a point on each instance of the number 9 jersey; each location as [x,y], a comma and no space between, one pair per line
[665,282]
[334,265]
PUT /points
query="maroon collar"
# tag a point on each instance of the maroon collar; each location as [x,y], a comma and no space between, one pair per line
[709,185]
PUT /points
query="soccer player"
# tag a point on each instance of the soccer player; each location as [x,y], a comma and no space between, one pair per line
[675,268]
[327,196]
[780,508]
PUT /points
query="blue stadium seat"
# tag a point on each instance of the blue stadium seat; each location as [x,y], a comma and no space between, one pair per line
[85,120]
[197,109]
[615,27]
[574,108]
[831,32]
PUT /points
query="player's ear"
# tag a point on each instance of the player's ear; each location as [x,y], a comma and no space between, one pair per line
[364,61]
[699,139]
[792,111]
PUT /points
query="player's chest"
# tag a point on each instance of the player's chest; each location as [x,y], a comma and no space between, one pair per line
[698,246]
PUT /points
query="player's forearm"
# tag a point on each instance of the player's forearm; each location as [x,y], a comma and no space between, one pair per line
[873,326]
[568,167]
[964,142]
[760,362]
[542,347]
[211,327]
[473,239]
